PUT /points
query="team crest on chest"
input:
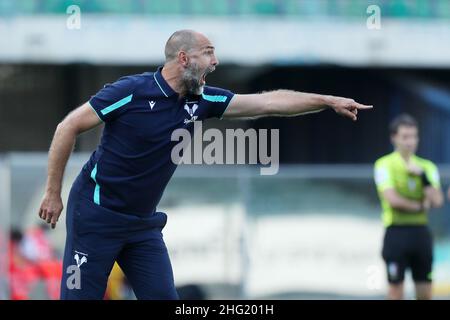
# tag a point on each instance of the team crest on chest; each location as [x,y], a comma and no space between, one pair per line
[191,111]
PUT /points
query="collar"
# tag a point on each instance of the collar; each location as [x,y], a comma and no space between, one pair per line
[402,160]
[162,84]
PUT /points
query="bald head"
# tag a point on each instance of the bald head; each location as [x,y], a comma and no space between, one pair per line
[181,40]
[190,58]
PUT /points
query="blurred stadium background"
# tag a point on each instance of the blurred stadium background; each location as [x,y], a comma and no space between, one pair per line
[311,231]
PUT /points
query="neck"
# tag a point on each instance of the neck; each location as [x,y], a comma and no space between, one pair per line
[171,74]
[405,155]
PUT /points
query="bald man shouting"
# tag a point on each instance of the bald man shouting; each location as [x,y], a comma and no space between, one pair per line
[111,210]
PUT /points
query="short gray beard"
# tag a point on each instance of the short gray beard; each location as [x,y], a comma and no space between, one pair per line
[191,80]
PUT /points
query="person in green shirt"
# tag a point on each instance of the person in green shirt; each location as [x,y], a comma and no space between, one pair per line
[408,186]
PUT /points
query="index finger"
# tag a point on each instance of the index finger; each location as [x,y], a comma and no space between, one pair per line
[363,106]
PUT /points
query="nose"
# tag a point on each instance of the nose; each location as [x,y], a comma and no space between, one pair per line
[214,61]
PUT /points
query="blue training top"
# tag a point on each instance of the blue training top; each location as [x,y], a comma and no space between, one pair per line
[131,167]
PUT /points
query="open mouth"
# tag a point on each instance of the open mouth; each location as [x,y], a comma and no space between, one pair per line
[203,77]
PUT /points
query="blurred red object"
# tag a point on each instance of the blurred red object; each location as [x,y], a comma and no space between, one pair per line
[31,259]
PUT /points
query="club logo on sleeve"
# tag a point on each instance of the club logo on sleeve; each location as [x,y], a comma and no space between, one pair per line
[80,258]
[381,176]
[191,112]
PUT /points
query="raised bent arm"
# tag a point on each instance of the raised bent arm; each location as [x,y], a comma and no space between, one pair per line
[80,120]
[398,202]
[289,103]
[433,193]
[434,196]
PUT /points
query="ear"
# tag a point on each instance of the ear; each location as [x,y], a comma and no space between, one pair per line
[183,58]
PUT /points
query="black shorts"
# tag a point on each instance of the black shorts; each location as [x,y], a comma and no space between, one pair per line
[408,247]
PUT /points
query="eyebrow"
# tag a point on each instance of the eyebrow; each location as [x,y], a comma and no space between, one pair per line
[208,47]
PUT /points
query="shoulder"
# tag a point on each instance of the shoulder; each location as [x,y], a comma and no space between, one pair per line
[147,84]
[123,85]
[215,94]
[210,89]
[128,80]
[426,163]
[136,80]
[382,170]
[144,80]
[143,84]
[384,160]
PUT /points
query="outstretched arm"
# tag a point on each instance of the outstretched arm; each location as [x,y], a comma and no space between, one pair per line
[81,119]
[289,103]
